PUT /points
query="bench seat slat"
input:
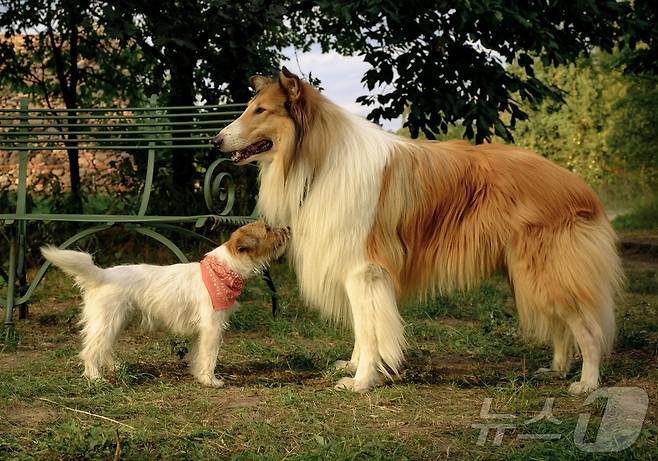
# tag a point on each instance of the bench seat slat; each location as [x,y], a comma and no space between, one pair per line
[90,147]
[58,118]
[118,138]
[117,132]
[119,125]
[128,109]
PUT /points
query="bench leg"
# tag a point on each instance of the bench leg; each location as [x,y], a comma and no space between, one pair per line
[9,333]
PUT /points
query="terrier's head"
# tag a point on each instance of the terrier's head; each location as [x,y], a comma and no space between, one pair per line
[253,246]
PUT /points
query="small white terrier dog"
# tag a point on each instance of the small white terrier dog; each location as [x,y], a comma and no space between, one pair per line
[194,298]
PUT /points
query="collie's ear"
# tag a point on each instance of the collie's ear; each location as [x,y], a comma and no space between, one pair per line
[257,82]
[291,84]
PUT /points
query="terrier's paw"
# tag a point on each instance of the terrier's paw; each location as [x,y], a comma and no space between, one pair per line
[93,375]
[582,387]
[345,365]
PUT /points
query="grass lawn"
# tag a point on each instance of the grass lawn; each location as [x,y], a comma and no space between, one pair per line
[279,401]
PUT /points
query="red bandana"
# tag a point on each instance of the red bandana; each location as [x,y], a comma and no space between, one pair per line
[223,284]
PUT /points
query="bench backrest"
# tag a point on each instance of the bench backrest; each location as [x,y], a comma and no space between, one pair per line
[129,129]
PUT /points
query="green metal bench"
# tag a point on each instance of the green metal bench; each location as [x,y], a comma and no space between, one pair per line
[148,129]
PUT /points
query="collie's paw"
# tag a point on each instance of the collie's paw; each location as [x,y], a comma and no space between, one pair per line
[350,384]
[355,385]
[582,387]
[542,371]
[345,365]
[211,381]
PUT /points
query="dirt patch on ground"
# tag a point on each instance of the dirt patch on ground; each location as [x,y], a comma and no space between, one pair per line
[23,415]
[12,360]
[426,367]
[640,250]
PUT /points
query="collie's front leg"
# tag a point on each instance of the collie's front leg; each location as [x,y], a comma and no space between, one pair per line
[378,328]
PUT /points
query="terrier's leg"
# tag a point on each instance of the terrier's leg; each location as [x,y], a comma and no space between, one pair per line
[204,358]
[102,324]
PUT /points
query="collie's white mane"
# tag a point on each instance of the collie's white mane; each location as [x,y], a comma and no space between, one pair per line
[320,204]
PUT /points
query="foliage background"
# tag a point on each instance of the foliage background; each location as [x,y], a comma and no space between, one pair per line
[573,80]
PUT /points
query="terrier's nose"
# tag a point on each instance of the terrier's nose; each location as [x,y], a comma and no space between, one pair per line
[217,141]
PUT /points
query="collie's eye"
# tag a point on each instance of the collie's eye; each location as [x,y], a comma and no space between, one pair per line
[259,110]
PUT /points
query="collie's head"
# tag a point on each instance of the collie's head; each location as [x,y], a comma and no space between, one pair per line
[274,123]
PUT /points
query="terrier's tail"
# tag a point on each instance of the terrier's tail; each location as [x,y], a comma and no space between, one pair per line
[74,263]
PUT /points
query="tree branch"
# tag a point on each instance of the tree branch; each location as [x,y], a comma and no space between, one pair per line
[59,65]
[73,56]
[143,44]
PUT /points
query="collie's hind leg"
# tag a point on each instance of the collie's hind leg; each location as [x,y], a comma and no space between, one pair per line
[378,327]
[562,351]
[590,349]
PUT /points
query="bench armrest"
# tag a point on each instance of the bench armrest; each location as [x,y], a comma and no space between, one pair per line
[219,188]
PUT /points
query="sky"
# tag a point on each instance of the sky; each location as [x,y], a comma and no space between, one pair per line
[340,78]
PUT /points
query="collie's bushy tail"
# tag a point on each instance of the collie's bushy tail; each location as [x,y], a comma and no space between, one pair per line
[596,279]
[77,264]
[566,275]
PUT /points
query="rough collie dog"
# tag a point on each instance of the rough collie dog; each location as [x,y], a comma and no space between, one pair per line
[195,298]
[377,218]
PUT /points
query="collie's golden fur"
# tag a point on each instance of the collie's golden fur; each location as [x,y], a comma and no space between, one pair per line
[377,218]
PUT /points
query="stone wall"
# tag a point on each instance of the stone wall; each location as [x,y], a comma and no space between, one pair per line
[44,167]
[96,169]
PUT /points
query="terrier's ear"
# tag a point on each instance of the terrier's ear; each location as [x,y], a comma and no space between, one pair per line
[291,84]
[257,82]
[246,244]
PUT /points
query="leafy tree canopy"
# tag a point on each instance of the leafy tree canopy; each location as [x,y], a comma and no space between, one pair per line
[203,48]
[58,51]
[640,39]
[606,129]
[448,61]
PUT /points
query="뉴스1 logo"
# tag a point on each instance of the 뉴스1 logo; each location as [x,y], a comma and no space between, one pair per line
[621,423]
[620,426]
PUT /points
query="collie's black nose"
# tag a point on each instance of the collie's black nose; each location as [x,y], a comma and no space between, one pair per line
[217,141]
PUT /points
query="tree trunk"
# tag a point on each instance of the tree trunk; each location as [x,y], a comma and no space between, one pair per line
[74,166]
[182,94]
[69,87]
[72,103]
